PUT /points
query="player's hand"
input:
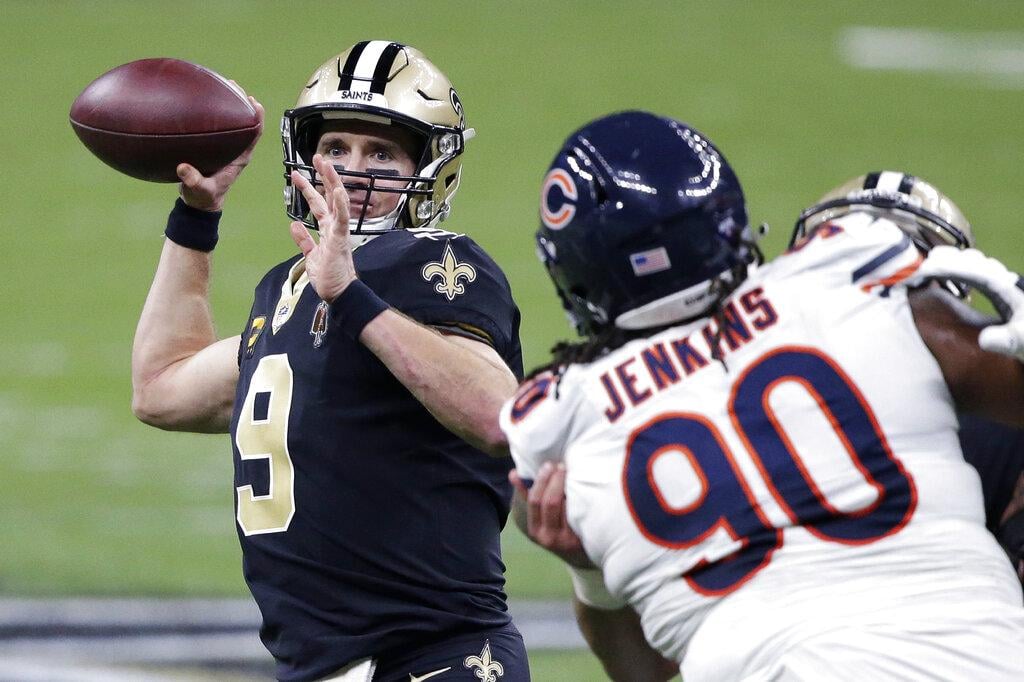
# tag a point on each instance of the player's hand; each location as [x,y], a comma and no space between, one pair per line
[1003,288]
[329,262]
[545,514]
[1007,338]
[207,193]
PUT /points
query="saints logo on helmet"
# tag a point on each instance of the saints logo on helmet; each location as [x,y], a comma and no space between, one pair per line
[387,83]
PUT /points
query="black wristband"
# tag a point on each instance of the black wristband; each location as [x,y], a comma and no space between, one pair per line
[192,228]
[355,308]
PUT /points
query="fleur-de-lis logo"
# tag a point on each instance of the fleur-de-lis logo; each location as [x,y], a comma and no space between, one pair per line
[450,271]
[485,668]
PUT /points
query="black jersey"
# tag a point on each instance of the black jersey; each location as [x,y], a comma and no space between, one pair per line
[997,452]
[366,527]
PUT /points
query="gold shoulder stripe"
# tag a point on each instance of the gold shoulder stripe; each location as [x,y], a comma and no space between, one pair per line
[463,329]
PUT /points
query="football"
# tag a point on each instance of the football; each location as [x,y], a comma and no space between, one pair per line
[145,117]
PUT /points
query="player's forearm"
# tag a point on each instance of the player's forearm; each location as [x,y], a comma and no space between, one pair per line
[617,639]
[462,389]
[981,382]
[175,325]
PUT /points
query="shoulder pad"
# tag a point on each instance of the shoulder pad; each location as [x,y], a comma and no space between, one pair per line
[433,233]
[855,249]
[537,422]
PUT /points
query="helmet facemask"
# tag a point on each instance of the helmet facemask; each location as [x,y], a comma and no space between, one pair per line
[925,228]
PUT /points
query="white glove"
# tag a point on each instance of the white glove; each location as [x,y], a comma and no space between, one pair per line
[1005,289]
[1007,339]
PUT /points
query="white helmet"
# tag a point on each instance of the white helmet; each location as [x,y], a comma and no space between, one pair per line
[928,216]
[925,214]
[392,84]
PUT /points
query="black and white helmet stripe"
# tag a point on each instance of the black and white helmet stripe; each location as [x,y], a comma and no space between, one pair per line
[368,66]
[890,181]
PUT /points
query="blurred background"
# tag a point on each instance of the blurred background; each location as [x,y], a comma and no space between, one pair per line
[799,96]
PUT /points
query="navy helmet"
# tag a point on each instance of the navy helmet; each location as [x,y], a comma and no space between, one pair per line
[642,223]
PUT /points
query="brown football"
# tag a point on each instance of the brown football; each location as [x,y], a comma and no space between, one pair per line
[145,117]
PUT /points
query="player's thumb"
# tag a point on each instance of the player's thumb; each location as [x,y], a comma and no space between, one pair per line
[1002,339]
[189,175]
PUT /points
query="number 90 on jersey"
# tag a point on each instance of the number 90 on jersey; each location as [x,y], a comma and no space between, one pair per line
[726,501]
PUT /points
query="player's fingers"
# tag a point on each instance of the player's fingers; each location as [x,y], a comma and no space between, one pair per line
[260,116]
[189,175]
[535,499]
[553,506]
[558,478]
[301,237]
[316,202]
[330,177]
[327,172]
[321,165]
[1004,339]
[550,504]
[336,197]
[339,206]
[517,483]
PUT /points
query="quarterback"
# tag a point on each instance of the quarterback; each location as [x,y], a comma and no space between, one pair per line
[362,393]
[761,461]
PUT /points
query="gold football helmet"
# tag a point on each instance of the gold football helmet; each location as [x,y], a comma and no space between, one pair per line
[925,214]
[392,84]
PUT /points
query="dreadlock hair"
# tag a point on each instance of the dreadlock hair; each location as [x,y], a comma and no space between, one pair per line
[565,353]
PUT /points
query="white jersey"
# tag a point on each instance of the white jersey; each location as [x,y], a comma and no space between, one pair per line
[799,509]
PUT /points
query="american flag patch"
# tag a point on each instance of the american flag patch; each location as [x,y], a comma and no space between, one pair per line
[650,261]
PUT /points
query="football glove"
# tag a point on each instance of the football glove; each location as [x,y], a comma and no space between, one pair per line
[1005,289]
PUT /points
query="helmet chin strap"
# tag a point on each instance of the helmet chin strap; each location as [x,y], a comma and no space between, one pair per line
[370,227]
[379,225]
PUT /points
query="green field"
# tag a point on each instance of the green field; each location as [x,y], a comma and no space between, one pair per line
[95,503]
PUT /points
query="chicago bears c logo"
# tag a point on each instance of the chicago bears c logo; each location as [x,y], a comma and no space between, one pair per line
[556,211]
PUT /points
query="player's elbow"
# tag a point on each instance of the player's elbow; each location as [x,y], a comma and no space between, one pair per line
[484,430]
[152,404]
[149,409]
[159,407]
[493,441]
